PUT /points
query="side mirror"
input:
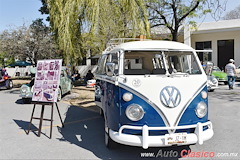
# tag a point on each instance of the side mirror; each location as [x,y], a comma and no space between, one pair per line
[110,67]
[209,67]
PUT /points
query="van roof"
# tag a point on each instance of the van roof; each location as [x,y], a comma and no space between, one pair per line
[152,45]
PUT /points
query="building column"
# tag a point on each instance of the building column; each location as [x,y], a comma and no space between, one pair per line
[187,35]
[88,60]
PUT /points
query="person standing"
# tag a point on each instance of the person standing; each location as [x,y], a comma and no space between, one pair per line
[230,69]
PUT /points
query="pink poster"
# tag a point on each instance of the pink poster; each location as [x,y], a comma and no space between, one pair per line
[47,80]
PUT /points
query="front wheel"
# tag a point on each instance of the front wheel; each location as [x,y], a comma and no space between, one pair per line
[101,112]
[110,144]
[59,97]
[9,84]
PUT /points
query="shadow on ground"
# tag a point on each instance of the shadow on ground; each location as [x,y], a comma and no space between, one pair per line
[85,128]
[226,94]
[24,125]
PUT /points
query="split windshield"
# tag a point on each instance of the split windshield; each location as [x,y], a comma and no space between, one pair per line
[160,62]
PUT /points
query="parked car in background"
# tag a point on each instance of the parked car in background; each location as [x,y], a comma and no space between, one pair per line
[212,82]
[238,73]
[65,86]
[219,75]
[5,80]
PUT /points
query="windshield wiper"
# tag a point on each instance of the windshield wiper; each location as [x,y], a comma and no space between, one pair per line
[175,74]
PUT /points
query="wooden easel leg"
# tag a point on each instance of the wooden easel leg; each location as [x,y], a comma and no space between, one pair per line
[30,124]
[51,121]
[41,120]
[59,114]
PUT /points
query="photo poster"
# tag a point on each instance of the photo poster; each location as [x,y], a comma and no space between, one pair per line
[47,80]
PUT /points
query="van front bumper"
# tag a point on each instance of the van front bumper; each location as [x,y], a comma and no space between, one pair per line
[145,140]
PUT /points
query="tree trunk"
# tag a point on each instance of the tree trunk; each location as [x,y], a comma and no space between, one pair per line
[174,35]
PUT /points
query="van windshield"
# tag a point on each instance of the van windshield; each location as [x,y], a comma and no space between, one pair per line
[160,62]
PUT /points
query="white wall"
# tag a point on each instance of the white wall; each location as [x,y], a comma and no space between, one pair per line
[84,69]
[214,37]
[22,70]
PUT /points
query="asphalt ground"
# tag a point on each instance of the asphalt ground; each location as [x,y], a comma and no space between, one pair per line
[82,137]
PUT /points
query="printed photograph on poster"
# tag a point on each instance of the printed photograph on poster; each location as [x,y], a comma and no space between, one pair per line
[47,80]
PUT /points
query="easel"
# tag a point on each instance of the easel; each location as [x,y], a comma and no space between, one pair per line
[41,116]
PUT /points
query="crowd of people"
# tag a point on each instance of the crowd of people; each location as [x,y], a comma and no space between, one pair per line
[76,76]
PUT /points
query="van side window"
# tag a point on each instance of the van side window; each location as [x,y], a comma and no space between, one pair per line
[114,58]
[101,65]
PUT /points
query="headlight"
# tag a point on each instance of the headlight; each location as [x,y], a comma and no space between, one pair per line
[127,97]
[201,109]
[215,81]
[134,112]
[24,89]
[32,88]
[204,94]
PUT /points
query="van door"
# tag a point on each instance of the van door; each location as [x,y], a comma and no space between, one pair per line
[111,94]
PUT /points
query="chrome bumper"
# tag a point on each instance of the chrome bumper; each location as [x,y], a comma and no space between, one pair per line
[145,140]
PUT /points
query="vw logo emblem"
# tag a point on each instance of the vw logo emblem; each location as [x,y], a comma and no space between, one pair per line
[170,96]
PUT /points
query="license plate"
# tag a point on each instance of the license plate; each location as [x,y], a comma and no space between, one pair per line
[177,138]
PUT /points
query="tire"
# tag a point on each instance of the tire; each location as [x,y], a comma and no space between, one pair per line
[9,84]
[225,83]
[59,97]
[70,91]
[101,112]
[110,144]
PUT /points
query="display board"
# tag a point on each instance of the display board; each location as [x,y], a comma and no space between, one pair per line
[47,80]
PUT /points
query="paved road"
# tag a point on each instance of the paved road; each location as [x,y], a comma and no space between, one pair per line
[83,134]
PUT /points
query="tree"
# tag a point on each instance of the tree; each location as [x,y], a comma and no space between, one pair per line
[82,25]
[5,60]
[172,14]
[233,14]
[32,43]
[44,9]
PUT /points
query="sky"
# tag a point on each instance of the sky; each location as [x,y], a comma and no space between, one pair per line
[15,13]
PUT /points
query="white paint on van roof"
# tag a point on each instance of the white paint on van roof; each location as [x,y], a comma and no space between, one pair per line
[152,45]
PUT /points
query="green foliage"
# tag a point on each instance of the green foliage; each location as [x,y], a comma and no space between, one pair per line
[9,60]
[82,25]
[44,9]
[2,56]
[5,59]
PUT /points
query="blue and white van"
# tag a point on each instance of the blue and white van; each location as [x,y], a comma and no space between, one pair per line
[153,94]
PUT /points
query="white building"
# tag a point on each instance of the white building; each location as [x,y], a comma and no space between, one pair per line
[222,37]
